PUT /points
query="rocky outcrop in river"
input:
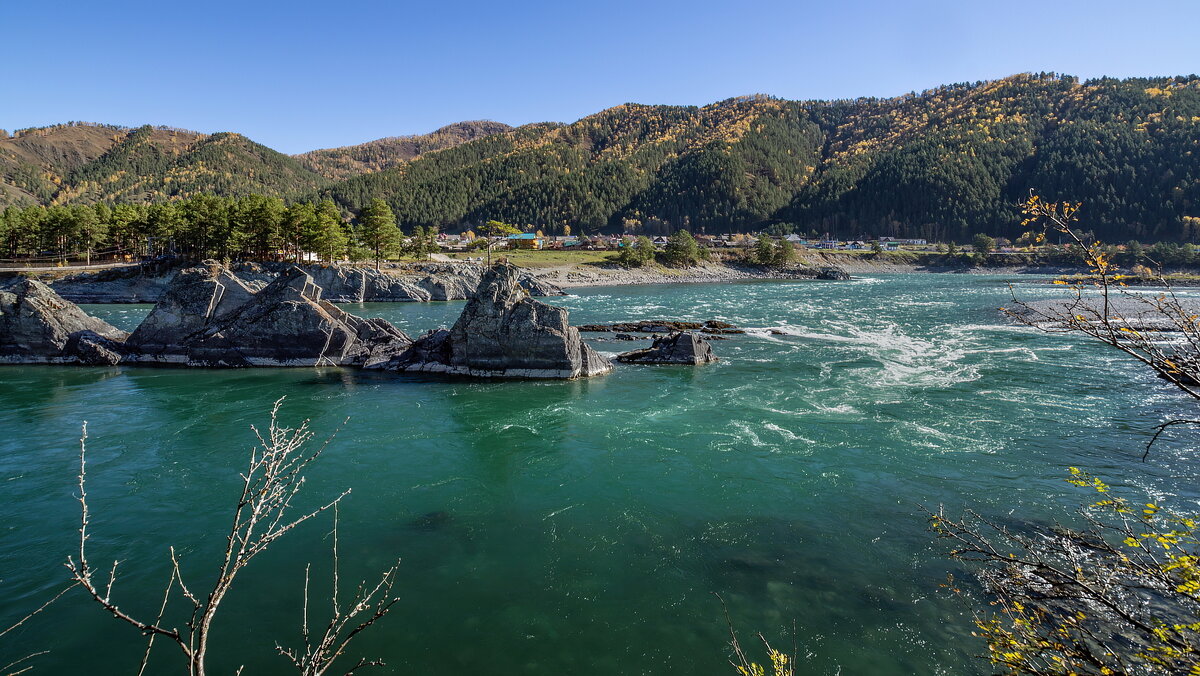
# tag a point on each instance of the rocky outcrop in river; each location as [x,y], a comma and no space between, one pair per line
[37,326]
[502,333]
[209,317]
[677,348]
[832,272]
[340,283]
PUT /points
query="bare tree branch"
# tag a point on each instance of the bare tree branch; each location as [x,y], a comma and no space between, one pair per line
[272,480]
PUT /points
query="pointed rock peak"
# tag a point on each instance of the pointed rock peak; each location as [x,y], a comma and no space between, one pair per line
[503,333]
[293,281]
[501,281]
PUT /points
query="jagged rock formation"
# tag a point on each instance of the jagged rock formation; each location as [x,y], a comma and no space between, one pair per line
[209,317]
[38,327]
[677,348]
[195,299]
[450,282]
[340,284]
[143,283]
[504,333]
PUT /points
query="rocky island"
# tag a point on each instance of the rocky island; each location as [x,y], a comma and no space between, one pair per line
[504,333]
[38,327]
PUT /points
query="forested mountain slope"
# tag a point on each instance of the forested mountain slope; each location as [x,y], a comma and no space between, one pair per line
[35,164]
[385,153]
[718,167]
[941,164]
[957,159]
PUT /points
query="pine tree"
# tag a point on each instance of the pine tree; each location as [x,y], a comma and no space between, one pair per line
[299,222]
[785,253]
[377,228]
[764,250]
[328,235]
[681,250]
[257,224]
[88,229]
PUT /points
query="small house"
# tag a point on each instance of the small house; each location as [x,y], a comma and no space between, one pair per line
[525,240]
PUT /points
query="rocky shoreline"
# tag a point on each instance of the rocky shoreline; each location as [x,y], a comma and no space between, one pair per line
[575,276]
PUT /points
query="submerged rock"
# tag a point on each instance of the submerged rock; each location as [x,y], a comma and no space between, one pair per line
[677,348]
[431,521]
[208,317]
[504,333]
[711,326]
[37,326]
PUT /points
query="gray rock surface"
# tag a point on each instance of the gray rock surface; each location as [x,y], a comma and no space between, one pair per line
[340,283]
[208,317]
[504,333]
[195,299]
[833,273]
[143,283]
[92,349]
[37,326]
[676,348]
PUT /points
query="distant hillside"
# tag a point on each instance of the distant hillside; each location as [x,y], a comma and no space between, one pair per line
[385,153]
[72,164]
[35,163]
[147,167]
[942,164]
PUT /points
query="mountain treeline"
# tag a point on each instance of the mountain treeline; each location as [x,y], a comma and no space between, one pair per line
[941,165]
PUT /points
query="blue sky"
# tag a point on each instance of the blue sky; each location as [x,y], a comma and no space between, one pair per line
[303,75]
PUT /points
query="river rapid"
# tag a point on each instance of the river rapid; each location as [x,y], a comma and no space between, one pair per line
[586,527]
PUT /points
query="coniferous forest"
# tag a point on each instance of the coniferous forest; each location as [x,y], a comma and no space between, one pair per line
[941,165]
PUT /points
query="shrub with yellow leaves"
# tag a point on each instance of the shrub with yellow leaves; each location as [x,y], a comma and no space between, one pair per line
[1101,306]
[1118,595]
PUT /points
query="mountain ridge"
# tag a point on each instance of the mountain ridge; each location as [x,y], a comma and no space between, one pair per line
[938,164]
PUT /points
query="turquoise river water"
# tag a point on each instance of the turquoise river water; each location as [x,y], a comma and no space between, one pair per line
[586,527]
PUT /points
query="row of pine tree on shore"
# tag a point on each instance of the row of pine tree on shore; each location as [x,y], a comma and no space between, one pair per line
[251,227]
